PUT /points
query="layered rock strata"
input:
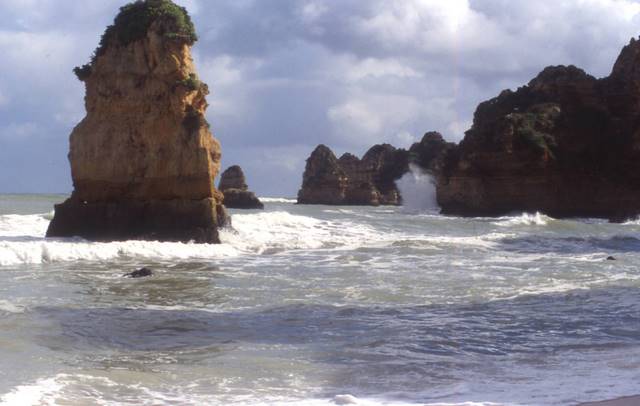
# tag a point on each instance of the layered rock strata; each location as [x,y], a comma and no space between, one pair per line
[370,180]
[567,144]
[143,159]
[236,193]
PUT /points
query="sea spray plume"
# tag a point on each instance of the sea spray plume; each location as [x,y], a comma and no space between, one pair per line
[418,191]
[143,159]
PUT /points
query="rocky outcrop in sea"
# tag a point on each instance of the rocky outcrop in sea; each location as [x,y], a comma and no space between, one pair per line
[567,144]
[233,186]
[143,159]
[370,180]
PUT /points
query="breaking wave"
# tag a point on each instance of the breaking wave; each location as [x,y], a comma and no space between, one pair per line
[418,191]
[277,200]
[22,240]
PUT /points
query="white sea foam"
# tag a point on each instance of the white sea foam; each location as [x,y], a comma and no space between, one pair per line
[22,240]
[42,392]
[418,191]
[8,307]
[277,200]
[14,225]
[83,389]
[270,232]
[526,219]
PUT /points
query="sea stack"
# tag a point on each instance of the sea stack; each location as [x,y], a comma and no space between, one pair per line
[233,186]
[370,181]
[323,181]
[567,144]
[143,159]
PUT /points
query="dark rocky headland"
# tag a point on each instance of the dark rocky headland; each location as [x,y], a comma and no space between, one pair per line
[233,186]
[567,144]
[370,180]
[143,159]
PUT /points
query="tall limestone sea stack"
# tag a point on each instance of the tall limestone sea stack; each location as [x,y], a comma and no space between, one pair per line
[143,159]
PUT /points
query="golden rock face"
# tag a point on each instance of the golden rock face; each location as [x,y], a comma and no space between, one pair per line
[144,136]
[143,159]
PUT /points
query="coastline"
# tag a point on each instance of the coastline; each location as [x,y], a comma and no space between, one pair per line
[624,401]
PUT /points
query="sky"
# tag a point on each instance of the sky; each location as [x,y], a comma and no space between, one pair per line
[287,75]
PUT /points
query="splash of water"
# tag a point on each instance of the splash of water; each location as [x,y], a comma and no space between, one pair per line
[418,191]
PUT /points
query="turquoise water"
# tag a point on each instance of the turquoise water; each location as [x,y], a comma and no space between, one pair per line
[322,305]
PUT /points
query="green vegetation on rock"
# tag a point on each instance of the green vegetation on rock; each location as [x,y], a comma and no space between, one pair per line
[535,126]
[133,22]
[82,72]
[191,82]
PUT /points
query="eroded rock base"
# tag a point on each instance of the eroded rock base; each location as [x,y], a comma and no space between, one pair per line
[159,220]
[241,199]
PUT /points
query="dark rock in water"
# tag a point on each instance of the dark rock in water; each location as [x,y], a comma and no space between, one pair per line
[143,159]
[567,144]
[611,258]
[235,190]
[241,199]
[430,152]
[324,181]
[233,178]
[140,273]
[353,181]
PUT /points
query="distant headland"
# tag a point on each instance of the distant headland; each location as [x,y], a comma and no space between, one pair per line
[567,144]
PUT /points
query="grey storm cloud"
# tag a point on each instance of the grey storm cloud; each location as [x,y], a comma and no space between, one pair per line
[286,75]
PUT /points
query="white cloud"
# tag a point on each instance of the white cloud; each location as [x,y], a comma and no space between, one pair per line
[404,139]
[20,130]
[4,100]
[312,10]
[376,68]
[356,121]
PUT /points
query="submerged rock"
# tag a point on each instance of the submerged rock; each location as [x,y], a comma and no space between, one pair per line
[235,190]
[143,159]
[567,144]
[139,273]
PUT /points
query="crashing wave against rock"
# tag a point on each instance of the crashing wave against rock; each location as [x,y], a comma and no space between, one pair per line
[143,159]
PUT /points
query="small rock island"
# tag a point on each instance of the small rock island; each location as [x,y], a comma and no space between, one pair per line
[233,186]
[143,159]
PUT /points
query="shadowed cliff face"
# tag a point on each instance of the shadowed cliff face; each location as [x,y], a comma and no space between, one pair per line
[144,142]
[324,181]
[370,180]
[566,144]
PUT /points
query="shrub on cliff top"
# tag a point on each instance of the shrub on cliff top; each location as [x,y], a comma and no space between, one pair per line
[134,19]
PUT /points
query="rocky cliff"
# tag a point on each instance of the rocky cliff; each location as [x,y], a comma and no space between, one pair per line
[323,181]
[143,159]
[566,144]
[233,186]
[370,180]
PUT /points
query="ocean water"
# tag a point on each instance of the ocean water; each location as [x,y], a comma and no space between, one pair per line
[319,305]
